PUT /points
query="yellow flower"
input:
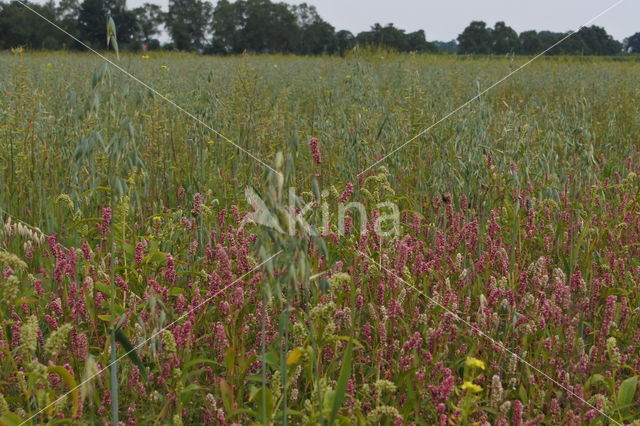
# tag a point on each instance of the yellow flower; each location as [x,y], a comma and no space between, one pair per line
[294,356]
[471,387]
[49,65]
[145,56]
[163,67]
[475,362]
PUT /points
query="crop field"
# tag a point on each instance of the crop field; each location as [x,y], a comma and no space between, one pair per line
[287,240]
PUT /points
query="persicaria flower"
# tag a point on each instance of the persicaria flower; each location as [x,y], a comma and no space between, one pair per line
[139,254]
[315,150]
[106,221]
[197,204]
[348,191]
[37,286]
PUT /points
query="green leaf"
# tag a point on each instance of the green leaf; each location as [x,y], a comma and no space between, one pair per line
[10,419]
[264,400]
[176,291]
[341,386]
[71,384]
[157,257]
[131,352]
[227,395]
[627,391]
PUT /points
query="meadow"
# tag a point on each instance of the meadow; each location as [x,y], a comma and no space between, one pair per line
[510,294]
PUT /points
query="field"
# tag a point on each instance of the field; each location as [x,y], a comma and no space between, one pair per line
[502,285]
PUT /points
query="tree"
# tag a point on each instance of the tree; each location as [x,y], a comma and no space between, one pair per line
[188,22]
[388,36]
[446,46]
[21,27]
[316,35]
[475,39]
[227,26]
[632,44]
[417,42]
[529,42]
[597,41]
[270,27]
[504,39]
[67,13]
[92,18]
[345,40]
[255,25]
[149,18]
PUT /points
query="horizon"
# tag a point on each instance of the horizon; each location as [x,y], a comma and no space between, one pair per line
[450,19]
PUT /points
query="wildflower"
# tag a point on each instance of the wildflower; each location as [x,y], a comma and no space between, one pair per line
[613,351]
[106,221]
[496,391]
[139,253]
[382,411]
[169,342]
[145,57]
[339,280]
[348,191]
[80,344]
[57,339]
[29,335]
[12,261]
[315,150]
[91,369]
[475,362]
[163,67]
[385,386]
[294,356]
[471,387]
[197,204]
[4,406]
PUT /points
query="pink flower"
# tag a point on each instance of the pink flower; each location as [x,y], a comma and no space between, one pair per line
[197,204]
[315,150]
[106,221]
[348,191]
[139,254]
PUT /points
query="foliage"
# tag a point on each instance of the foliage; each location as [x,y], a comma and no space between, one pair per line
[519,215]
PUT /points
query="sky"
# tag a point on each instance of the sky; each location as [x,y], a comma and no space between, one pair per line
[445,19]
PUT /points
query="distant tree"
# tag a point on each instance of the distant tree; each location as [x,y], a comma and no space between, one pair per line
[149,18]
[446,46]
[188,22]
[255,25]
[270,27]
[92,18]
[632,44]
[67,13]
[21,27]
[316,35]
[228,27]
[530,43]
[476,38]
[345,40]
[417,42]
[504,39]
[597,41]
[387,36]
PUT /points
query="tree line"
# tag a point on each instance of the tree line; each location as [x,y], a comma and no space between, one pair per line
[267,27]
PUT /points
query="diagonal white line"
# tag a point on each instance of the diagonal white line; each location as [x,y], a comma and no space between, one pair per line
[492,340]
[497,83]
[152,336]
[133,77]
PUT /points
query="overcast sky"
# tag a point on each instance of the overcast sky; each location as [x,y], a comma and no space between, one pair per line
[445,19]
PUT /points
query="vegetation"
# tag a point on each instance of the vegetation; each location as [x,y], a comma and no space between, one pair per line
[519,234]
[264,26]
